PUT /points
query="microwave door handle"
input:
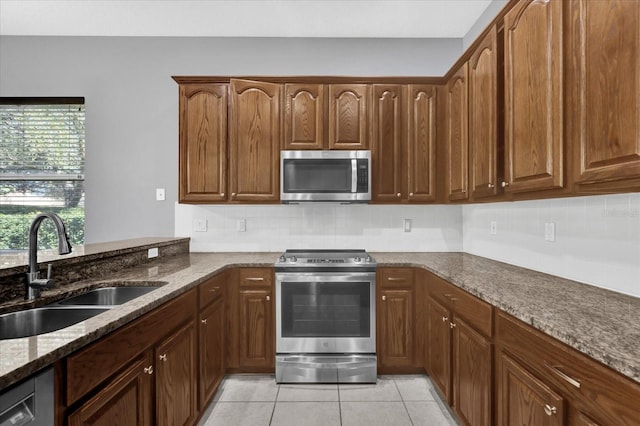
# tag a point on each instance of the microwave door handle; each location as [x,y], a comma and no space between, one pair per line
[354,175]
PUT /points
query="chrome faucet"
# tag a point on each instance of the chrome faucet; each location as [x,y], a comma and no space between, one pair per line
[34,282]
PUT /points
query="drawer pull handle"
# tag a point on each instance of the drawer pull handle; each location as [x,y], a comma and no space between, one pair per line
[395,279]
[163,357]
[213,290]
[149,369]
[255,279]
[384,297]
[556,370]
[445,319]
[550,410]
[204,321]
[452,325]
[447,295]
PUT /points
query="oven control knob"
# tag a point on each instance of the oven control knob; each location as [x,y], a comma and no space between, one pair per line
[282,259]
[368,259]
[293,259]
[357,259]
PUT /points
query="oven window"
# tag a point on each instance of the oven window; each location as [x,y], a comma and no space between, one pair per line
[316,309]
[309,176]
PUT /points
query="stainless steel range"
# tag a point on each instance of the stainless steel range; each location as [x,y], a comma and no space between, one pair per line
[325,317]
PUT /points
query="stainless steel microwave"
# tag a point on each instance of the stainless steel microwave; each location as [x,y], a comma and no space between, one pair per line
[329,176]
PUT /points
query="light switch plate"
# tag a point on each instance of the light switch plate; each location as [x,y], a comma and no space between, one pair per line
[550,231]
[160,194]
[241,225]
[200,225]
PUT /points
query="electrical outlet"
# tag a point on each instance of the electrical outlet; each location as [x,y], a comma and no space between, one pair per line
[160,194]
[493,227]
[406,225]
[152,252]
[241,225]
[200,225]
[550,231]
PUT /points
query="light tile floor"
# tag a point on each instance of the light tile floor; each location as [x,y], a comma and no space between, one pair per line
[254,400]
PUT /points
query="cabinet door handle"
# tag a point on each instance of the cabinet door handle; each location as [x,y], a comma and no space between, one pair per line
[268,298]
[505,184]
[550,410]
[556,370]
[222,194]
[445,319]
[398,194]
[452,325]
[490,185]
[163,357]
[149,369]
[384,297]
[254,279]
[411,194]
[233,194]
[204,321]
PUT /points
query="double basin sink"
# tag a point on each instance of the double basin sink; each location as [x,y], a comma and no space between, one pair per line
[69,311]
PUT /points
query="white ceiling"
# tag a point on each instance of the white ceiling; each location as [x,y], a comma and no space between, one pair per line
[241,18]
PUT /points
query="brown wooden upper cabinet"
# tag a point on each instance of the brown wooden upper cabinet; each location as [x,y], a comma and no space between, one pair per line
[604,90]
[254,141]
[456,134]
[388,143]
[348,116]
[533,96]
[203,142]
[483,119]
[304,116]
[421,142]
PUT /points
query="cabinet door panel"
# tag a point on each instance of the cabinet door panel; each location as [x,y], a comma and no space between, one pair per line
[176,379]
[125,401]
[472,367]
[203,142]
[397,333]
[254,141]
[387,145]
[457,128]
[348,121]
[304,116]
[439,347]
[256,329]
[523,398]
[533,96]
[421,149]
[605,55]
[483,120]
[212,326]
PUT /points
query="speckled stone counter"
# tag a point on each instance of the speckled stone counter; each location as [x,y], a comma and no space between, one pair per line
[602,324]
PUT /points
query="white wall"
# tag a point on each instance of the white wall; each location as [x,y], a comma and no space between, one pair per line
[132,102]
[597,237]
[280,227]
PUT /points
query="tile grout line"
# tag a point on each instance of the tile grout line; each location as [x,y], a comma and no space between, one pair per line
[402,399]
[273,410]
[339,405]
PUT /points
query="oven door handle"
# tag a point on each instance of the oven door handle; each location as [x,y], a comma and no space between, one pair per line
[306,277]
[354,175]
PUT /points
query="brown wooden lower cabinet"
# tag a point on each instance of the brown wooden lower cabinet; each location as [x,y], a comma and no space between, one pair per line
[126,400]
[212,325]
[176,381]
[397,321]
[525,400]
[251,322]
[439,347]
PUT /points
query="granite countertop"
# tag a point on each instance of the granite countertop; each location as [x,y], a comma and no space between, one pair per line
[600,323]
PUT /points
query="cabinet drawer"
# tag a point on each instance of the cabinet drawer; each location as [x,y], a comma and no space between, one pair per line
[92,365]
[395,277]
[255,278]
[212,289]
[591,387]
[477,312]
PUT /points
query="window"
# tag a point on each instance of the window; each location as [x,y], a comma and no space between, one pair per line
[41,169]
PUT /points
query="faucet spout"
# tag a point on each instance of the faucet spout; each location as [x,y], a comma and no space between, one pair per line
[34,283]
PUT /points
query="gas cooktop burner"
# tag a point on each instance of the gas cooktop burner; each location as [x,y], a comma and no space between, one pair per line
[338,259]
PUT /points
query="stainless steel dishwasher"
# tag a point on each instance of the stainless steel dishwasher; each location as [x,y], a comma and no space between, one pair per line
[29,402]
